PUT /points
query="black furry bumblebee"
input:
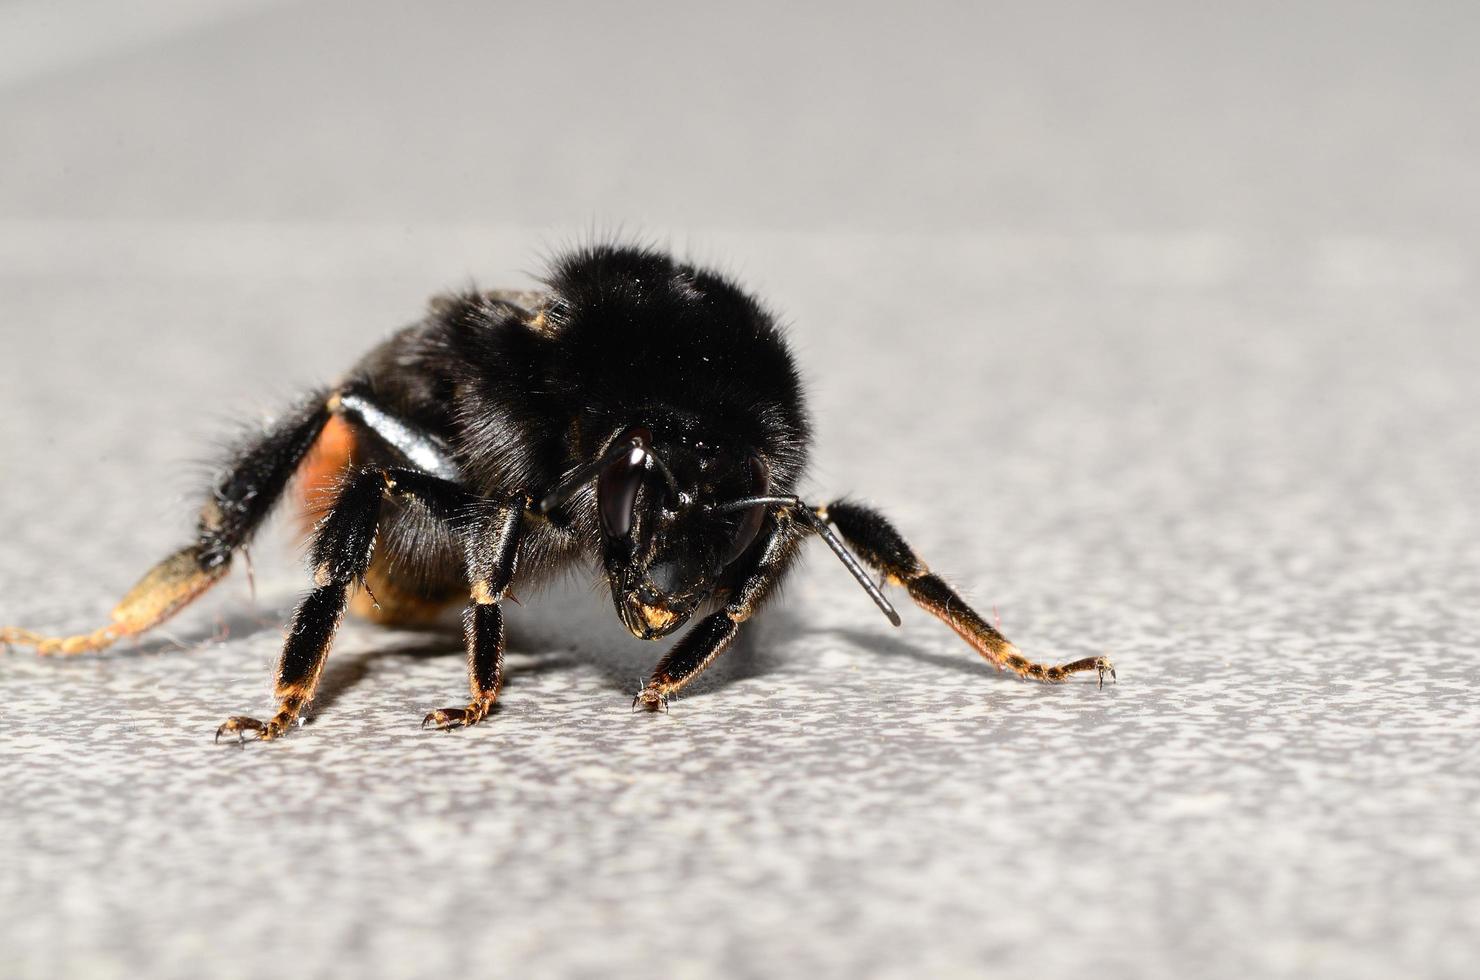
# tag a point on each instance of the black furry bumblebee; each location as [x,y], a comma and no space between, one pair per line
[640,414]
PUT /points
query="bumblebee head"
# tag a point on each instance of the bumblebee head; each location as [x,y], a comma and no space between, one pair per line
[667,537]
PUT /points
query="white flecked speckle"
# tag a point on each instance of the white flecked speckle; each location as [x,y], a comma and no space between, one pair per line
[1155,333]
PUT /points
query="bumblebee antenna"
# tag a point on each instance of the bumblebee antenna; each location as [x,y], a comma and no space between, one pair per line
[668,477]
[809,517]
[579,477]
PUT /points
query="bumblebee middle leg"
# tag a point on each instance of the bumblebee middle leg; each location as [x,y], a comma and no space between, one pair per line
[881,546]
[239,502]
[493,554]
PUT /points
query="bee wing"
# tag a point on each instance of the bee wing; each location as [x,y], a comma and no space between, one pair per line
[531,301]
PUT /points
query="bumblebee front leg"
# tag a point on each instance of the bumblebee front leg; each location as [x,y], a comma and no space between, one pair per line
[244,495]
[341,555]
[714,633]
[881,546]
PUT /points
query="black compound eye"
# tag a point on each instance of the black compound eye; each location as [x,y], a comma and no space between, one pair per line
[751,518]
[616,488]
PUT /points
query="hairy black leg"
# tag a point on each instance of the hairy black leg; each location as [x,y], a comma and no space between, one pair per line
[340,556]
[250,484]
[881,546]
[714,633]
[493,552]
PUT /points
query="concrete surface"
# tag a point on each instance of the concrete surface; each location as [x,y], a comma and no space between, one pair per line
[1154,328]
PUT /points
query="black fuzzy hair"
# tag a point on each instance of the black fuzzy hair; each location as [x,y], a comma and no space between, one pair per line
[642,331]
[629,336]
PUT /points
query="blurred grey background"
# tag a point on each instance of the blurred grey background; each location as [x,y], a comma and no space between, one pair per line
[1153,324]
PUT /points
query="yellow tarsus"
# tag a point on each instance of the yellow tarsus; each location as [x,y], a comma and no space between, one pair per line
[163,591]
[66,646]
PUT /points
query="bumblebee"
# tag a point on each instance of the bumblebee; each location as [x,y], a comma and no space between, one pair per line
[638,414]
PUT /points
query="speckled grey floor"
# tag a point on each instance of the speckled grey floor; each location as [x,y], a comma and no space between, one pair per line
[1158,334]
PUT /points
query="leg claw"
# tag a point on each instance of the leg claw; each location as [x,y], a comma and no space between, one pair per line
[240,725]
[650,698]
[261,731]
[450,719]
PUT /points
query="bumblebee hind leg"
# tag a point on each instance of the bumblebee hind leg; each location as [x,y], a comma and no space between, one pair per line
[241,499]
[166,589]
